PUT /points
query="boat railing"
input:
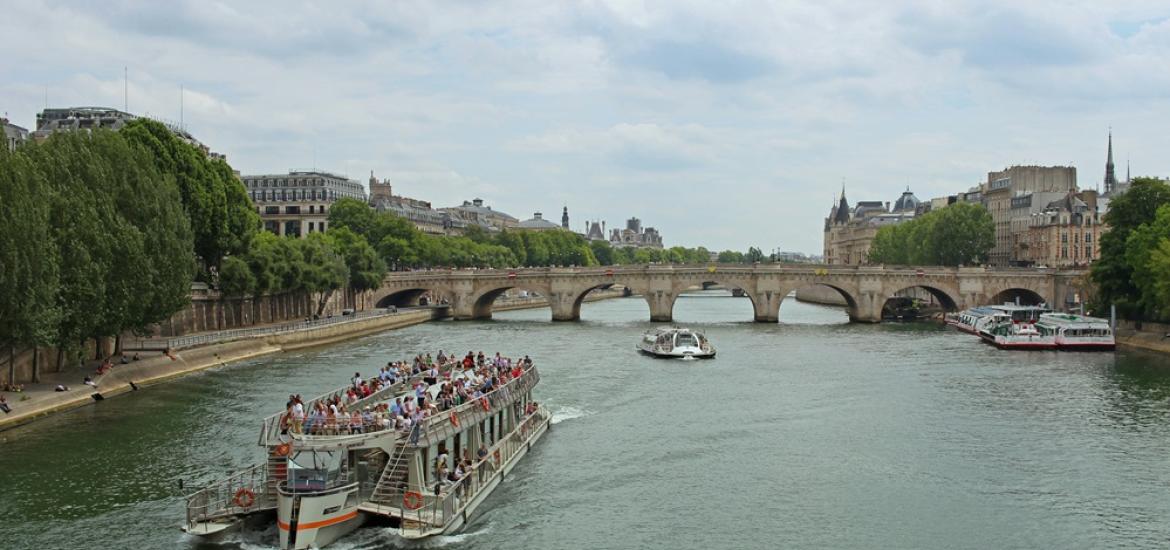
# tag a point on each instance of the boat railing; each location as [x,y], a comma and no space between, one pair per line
[437,510]
[441,425]
[274,426]
[243,492]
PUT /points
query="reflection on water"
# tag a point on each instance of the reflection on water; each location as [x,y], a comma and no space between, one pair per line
[808,433]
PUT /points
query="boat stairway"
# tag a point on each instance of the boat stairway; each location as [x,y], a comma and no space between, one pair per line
[395,476]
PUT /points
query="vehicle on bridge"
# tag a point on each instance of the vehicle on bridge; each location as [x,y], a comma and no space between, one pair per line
[322,479]
[674,342]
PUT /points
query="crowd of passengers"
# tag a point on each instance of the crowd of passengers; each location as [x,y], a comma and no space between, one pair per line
[339,414]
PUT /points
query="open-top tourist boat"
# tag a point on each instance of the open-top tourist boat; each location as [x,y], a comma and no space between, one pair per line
[676,342]
[321,480]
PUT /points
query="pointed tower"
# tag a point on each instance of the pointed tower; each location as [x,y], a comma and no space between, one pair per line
[842,213]
[565,218]
[1110,178]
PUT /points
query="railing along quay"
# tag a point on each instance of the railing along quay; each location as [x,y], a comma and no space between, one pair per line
[220,336]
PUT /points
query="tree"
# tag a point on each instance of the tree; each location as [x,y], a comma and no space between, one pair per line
[29,271]
[366,269]
[236,278]
[960,234]
[1112,272]
[754,255]
[1159,294]
[221,217]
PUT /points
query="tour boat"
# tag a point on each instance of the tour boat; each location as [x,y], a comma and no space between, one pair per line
[676,342]
[965,320]
[977,319]
[1078,332]
[1010,334]
[322,486]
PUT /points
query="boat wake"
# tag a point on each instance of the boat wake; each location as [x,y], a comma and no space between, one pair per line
[561,414]
[362,539]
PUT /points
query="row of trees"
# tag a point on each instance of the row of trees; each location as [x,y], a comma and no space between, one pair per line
[960,234]
[401,245]
[1133,272]
[95,240]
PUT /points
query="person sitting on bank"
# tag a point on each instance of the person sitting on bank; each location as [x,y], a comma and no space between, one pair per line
[61,387]
[136,357]
[4,405]
[125,360]
[89,382]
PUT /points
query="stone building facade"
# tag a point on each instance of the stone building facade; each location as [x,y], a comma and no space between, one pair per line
[298,203]
[1065,233]
[419,212]
[13,135]
[634,235]
[476,212]
[1013,196]
[849,232]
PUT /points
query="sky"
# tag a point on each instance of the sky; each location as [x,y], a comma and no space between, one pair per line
[722,124]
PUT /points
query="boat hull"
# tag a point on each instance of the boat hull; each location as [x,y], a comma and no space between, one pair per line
[320,519]
[697,354]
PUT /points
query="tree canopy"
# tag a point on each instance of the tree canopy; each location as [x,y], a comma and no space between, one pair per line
[1130,271]
[960,234]
[99,246]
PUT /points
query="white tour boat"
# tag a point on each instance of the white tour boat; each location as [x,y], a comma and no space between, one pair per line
[320,481]
[676,342]
[1019,335]
[976,319]
[1078,332]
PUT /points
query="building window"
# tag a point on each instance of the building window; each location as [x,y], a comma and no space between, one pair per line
[311,207]
[1064,252]
[1088,237]
[271,209]
[1088,253]
[1064,238]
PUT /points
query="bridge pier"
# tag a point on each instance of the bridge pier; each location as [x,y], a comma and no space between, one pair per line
[661,305]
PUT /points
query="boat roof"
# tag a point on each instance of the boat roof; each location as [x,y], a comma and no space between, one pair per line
[1070,319]
[1008,306]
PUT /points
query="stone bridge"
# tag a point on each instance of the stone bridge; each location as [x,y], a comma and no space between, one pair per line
[864,288]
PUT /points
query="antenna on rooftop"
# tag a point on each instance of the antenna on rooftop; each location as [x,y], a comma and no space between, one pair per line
[181,125]
[125,89]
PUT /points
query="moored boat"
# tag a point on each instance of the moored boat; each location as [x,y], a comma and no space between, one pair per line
[674,342]
[1078,332]
[1019,335]
[424,473]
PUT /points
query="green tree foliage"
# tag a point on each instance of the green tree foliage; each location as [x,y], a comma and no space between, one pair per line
[235,278]
[221,216]
[366,269]
[29,270]
[1113,272]
[1160,289]
[117,239]
[960,234]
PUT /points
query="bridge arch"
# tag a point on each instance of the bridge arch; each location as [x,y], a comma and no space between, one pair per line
[850,303]
[483,299]
[408,295]
[947,298]
[1026,296]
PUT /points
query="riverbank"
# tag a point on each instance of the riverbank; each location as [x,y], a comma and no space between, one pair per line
[39,400]
[1143,336]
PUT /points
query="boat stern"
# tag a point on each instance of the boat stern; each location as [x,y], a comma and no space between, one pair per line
[313,520]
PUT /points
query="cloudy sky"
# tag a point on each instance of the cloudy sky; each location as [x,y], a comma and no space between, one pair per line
[723,124]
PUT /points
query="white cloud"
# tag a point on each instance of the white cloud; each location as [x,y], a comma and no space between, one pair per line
[725,125]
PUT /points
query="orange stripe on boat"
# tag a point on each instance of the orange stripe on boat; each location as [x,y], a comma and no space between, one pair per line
[318,524]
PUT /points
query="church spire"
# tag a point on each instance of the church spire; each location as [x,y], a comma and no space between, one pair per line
[1110,178]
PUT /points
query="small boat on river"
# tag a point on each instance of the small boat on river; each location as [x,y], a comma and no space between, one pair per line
[674,342]
[1019,335]
[321,479]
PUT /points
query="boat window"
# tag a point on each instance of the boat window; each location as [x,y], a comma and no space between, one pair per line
[314,470]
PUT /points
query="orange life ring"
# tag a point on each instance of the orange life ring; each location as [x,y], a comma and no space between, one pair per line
[244,498]
[412,500]
[483,402]
[454,419]
[283,449]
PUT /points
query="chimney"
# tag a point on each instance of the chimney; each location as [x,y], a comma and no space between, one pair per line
[536,215]
[887,206]
[477,202]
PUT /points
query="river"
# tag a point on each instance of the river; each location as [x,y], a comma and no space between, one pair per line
[808,433]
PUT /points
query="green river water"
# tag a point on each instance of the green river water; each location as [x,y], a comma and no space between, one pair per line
[811,433]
